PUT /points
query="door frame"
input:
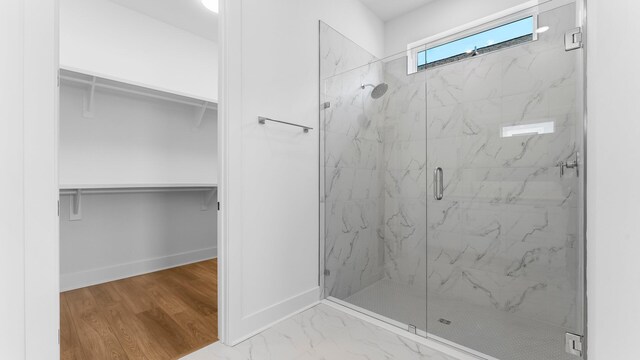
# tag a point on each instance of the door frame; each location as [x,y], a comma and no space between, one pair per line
[39,197]
[36,333]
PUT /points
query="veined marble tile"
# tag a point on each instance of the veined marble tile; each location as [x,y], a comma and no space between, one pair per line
[445,121]
[462,118]
[348,152]
[443,152]
[353,174]
[515,186]
[537,72]
[404,219]
[518,296]
[504,236]
[338,53]
[559,21]
[352,184]
[409,183]
[321,333]
[353,246]
[354,119]
[488,149]
[405,155]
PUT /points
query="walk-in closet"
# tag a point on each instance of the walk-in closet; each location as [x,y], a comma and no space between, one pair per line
[138,149]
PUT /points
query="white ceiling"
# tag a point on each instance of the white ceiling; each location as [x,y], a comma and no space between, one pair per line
[192,16]
[189,15]
[390,9]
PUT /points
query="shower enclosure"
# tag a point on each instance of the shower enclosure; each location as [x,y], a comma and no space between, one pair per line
[452,189]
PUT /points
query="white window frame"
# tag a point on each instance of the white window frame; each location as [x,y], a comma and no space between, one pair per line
[498,19]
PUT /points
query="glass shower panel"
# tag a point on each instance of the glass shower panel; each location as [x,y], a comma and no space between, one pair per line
[504,242]
[374,141]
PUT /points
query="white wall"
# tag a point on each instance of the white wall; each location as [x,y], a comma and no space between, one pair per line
[613,194]
[12,179]
[351,19]
[269,188]
[105,39]
[436,17]
[28,222]
[123,235]
[134,141]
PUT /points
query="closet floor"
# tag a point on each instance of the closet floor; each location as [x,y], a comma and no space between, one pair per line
[162,315]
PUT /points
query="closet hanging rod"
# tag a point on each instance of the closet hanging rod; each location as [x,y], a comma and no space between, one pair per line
[209,105]
[263,120]
[135,190]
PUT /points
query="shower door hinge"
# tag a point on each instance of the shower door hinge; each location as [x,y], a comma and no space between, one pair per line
[326,105]
[573,39]
[573,344]
[412,329]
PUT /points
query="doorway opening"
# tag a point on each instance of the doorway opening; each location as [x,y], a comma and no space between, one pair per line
[138,178]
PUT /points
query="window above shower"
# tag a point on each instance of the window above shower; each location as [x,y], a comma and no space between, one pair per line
[447,50]
[506,35]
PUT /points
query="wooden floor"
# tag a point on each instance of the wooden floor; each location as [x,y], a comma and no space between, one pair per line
[162,315]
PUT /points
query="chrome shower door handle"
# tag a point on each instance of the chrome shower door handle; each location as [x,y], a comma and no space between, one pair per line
[438,184]
[564,165]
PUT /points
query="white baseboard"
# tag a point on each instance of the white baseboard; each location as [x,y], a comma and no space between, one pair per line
[266,318]
[86,278]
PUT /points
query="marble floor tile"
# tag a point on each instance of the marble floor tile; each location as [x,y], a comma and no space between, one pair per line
[322,332]
[501,334]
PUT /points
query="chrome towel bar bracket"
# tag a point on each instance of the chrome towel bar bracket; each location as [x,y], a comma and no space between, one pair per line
[263,120]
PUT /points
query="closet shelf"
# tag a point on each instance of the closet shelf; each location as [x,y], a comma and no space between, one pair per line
[94,82]
[76,192]
[68,189]
[135,185]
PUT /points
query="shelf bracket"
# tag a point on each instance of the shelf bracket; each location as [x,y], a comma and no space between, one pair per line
[208,197]
[200,116]
[89,100]
[75,206]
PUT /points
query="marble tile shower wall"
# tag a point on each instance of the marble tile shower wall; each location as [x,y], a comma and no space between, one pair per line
[505,235]
[405,174]
[351,148]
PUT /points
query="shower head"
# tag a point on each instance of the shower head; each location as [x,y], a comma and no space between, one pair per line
[378,90]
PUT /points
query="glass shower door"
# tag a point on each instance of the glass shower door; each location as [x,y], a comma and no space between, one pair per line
[374,181]
[504,215]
